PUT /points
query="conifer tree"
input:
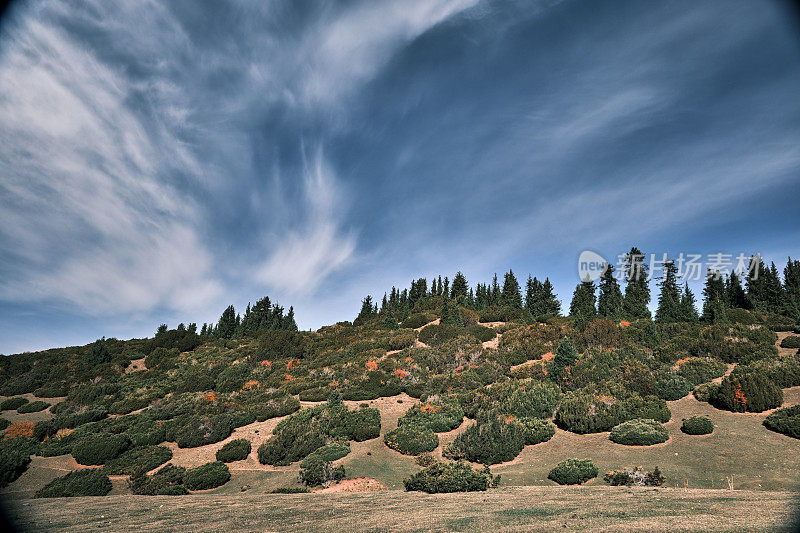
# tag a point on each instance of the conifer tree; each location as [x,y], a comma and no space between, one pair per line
[791,288]
[511,296]
[227,323]
[637,291]
[609,301]
[756,287]
[530,295]
[583,301]
[714,298]
[458,292]
[495,294]
[669,300]
[566,354]
[549,301]
[367,311]
[451,314]
[688,309]
[736,296]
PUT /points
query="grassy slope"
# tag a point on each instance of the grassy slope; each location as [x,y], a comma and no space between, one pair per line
[528,508]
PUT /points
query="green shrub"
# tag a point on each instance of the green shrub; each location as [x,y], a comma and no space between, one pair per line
[451,477]
[197,431]
[639,432]
[672,387]
[85,482]
[697,370]
[233,377]
[12,404]
[748,392]
[573,472]
[4,423]
[792,341]
[96,449]
[705,391]
[436,334]
[786,421]
[135,460]
[653,407]
[536,430]
[417,320]
[584,412]
[291,444]
[33,407]
[329,452]
[168,481]
[636,476]
[235,450]
[314,470]
[411,439]
[482,333]
[402,340]
[207,476]
[290,490]
[425,459]
[281,406]
[530,399]
[488,442]
[697,425]
[15,456]
[437,416]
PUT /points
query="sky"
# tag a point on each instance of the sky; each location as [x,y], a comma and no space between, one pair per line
[160,160]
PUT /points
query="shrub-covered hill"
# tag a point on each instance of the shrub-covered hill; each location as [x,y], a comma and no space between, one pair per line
[588,373]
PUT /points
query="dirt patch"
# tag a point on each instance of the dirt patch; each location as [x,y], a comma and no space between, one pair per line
[360,484]
[135,366]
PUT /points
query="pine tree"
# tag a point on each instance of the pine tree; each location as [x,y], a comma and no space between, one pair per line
[550,304]
[714,298]
[756,287]
[609,301]
[511,296]
[161,330]
[494,298]
[451,314]
[367,311]
[687,305]
[669,308]
[98,353]
[531,291]
[637,291]
[583,301]
[458,292]
[227,323]
[736,296]
[566,354]
[791,288]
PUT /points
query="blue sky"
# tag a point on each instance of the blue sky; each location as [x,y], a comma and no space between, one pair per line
[159,161]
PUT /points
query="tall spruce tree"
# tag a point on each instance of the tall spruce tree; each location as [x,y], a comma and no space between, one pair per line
[791,288]
[688,309]
[669,300]
[637,290]
[714,298]
[458,291]
[367,311]
[734,291]
[609,301]
[227,323]
[566,354]
[511,296]
[583,301]
[550,304]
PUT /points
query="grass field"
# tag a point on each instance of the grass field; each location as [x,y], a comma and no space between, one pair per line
[519,508]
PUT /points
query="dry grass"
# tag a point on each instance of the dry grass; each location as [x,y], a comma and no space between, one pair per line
[512,509]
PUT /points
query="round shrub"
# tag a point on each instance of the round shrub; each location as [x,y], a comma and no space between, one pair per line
[573,471]
[583,412]
[290,444]
[168,481]
[705,391]
[98,448]
[697,425]
[196,432]
[12,404]
[697,370]
[4,423]
[207,476]
[85,482]
[417,320]
[792,341]
[402,340]
[15,456]
[33,407]
[314,470]
[639,432]
[482,333]
[488,442]
[747,392]
[235,450]
[536,430]
[438,333]
[411,439]
[142,459]
[786,421]
[672,387]
[451,477]
[439,417]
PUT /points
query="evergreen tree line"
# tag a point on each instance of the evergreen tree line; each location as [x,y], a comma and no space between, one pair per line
[539,298]
[762,291]
[262,316]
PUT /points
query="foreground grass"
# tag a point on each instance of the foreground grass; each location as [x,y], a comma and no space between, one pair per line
[528,508]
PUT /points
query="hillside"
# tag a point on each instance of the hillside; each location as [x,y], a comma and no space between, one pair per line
[359,407]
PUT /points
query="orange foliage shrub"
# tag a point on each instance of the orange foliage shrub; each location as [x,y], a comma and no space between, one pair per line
[19,429]
[252,384]
[371,365]
[210,397]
